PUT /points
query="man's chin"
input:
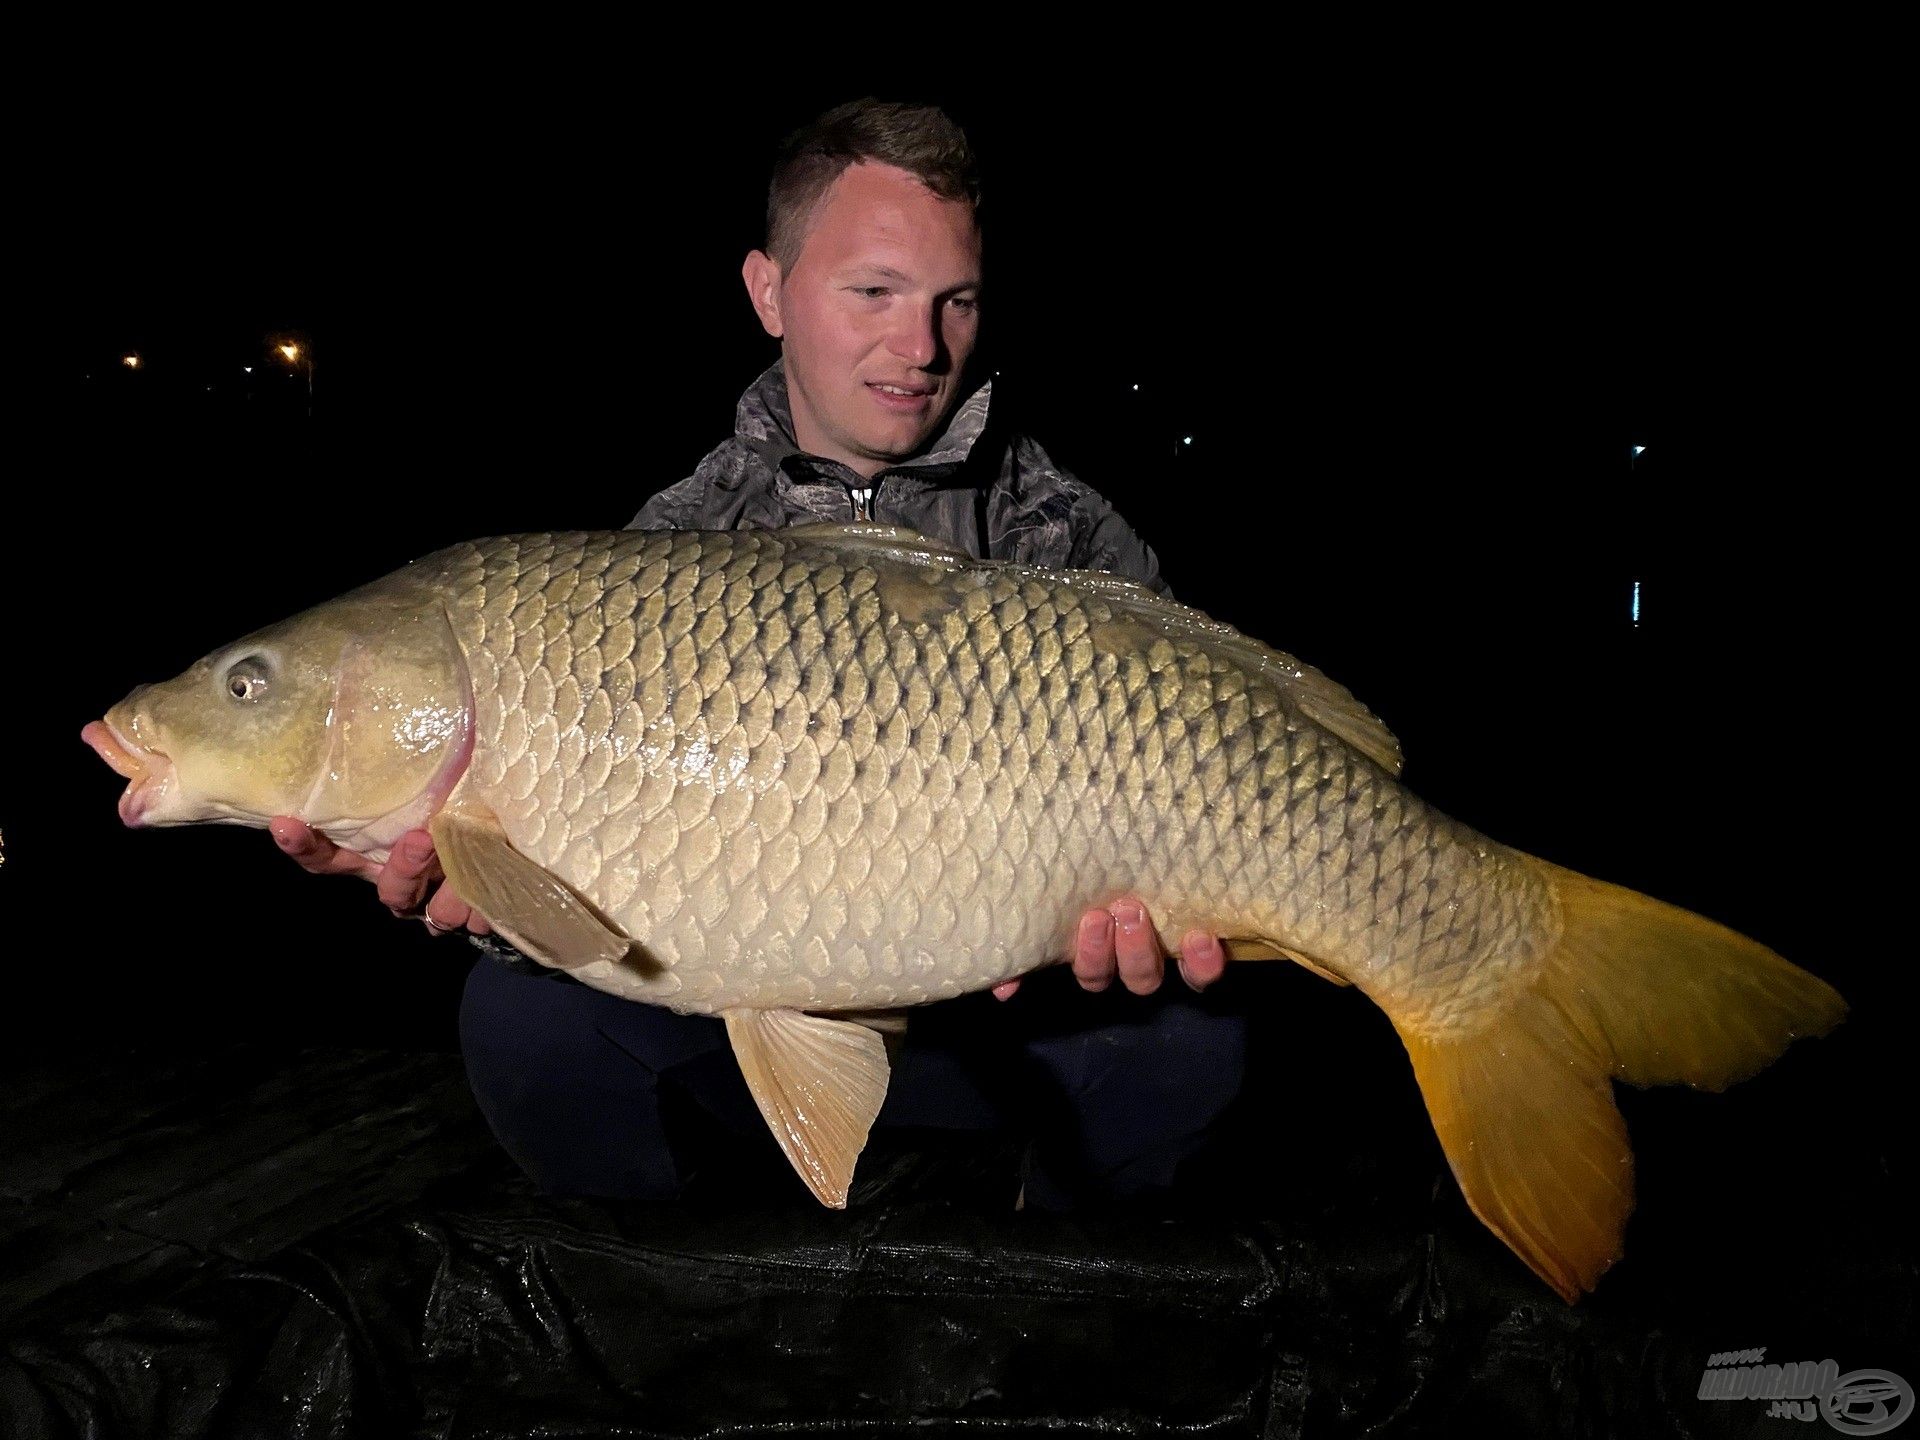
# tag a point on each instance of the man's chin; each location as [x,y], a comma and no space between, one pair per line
[894,444]
[891,449]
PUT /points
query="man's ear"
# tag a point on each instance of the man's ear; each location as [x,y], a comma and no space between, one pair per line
[762,274]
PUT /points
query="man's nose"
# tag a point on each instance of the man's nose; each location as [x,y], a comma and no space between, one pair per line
[916,339]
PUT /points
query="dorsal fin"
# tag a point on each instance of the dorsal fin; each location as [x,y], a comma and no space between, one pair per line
[894,541]
[1329,705]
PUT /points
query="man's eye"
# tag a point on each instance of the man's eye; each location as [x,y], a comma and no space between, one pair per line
[872,292]
[965,303]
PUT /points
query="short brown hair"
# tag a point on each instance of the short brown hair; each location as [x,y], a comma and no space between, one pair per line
[920,139]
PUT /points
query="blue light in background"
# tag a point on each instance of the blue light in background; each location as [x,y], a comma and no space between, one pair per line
[1636,602]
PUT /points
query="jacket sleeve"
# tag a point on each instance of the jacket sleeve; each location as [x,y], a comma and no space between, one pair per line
[1104,541]
[709,499]
[672,507]
[1054,518]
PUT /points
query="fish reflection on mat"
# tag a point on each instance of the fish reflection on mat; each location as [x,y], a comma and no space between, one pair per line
[802,779]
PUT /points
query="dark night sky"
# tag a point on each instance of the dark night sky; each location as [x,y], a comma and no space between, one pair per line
[1413,350]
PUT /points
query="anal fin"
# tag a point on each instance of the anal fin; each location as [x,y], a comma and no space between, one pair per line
[819,1084]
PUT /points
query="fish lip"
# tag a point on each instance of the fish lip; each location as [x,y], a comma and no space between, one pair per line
[105,742]
[145,769]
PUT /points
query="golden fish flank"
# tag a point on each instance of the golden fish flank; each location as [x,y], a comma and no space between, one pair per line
[792,795]
[782,775]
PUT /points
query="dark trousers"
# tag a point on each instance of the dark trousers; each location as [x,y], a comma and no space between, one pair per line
[594,1095]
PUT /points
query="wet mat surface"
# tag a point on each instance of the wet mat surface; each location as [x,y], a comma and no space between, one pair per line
[326,1243]
[120,1166]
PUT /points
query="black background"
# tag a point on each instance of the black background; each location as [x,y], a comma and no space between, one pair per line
[1413,341]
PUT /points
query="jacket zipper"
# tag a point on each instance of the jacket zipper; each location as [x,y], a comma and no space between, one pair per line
[862,500]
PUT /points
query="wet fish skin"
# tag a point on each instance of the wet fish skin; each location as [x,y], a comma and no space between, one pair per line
[866,813]
[772,774]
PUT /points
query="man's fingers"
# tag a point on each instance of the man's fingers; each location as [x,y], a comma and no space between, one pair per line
[1203,959]
[447,911]
[1137,948]
[314,853]
[413,857]
[1000,992]
[410,868]
[1093,951]
[403,882]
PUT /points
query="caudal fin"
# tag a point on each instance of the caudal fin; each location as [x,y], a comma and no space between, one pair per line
[1634,989]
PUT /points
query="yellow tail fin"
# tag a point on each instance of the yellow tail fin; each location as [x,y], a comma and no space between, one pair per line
[1634,989]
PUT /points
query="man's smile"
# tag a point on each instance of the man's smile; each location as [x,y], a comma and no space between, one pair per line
[901,399]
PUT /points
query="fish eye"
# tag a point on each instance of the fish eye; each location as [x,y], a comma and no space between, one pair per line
[247,679]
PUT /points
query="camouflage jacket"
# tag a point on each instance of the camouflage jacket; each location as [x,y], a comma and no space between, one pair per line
[994,495]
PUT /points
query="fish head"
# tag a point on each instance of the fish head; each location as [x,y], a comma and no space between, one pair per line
[354,716]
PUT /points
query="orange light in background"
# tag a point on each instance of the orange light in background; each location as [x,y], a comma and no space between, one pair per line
[298,357]
[132,362]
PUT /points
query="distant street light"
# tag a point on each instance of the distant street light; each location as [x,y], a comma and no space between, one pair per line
[299,356]
[132,362]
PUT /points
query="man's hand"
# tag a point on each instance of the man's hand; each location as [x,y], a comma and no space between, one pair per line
[403,882]
[1120,939]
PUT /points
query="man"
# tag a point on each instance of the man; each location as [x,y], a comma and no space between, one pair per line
[871,281]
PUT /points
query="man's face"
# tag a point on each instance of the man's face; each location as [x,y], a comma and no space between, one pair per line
[883,297]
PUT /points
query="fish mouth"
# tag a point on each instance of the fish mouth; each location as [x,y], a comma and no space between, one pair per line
[146,770]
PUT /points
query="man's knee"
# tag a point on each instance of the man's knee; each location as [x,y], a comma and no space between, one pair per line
[1137,1098]
[569,1079]
[1177,1061]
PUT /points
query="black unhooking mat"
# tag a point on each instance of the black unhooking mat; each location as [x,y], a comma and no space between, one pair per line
[1330,1284]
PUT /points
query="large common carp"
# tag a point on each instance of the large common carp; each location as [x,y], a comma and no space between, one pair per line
[788,776]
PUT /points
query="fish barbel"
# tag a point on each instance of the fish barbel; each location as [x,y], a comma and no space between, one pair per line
[803,778]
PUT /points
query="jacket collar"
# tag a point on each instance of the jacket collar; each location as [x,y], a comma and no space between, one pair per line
[763,420]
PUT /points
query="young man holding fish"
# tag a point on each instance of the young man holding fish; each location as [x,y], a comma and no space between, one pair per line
[871,282]
[794,781]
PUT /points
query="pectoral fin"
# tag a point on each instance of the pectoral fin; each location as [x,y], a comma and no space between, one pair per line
[524,902]
[819,1083]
